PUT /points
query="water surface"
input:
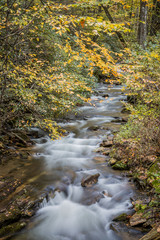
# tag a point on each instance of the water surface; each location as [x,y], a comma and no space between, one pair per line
[74,212]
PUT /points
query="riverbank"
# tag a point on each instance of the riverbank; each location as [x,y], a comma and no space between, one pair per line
[141,163]
[146,203]
[136,147]
[19,200]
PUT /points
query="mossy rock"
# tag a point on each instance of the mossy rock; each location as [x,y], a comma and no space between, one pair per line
[10,216]
[154,234]
[12,228]
[122,218]
[112,161]
[120,166]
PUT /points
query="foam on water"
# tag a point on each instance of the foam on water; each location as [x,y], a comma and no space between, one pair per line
[65,216]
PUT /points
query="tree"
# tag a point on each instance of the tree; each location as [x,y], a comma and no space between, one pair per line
[48,58]
[142,30]
[155,22]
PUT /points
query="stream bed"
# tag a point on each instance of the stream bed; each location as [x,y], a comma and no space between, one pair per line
[73,212]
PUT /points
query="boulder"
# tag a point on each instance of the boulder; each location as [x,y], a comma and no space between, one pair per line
[117,120]
[94,128]
[99,159]
[100,149]
[112,161]
[90,180]
[124,119]
[106,143]
[105,95]
[122,218]
[137,219]
[154,234]
[106,151]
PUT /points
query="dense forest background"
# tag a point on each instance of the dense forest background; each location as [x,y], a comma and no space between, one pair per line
[53,52]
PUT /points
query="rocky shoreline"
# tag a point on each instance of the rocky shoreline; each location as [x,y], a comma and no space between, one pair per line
[146,204]
[18,199]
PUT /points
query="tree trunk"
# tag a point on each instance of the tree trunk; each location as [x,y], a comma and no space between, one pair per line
[155,22]
[119,35]
[142,29]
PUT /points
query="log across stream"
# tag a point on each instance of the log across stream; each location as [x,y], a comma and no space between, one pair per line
[75,210]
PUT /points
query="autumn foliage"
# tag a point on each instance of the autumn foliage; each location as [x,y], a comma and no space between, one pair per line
[52,54]
[48,59]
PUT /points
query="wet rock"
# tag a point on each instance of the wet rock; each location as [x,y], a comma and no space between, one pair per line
[124,110]
[106,143]
[100,149]
[124,119]
[106,194]
[154,234]
[120,120]
[107,151]
[117,120]
[36,133]
[12,228]
[94,128]
[125,232]
[20,207]
[137,219]
[122,218]
[119,165]
[11,215]
[90,180]
[112,161]
[105,95]
[92,197]
[99,159]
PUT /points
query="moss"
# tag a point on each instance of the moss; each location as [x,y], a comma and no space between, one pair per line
[12,228]
[120,166]
[10,216]
[154,176]
[123,217]
[155,167]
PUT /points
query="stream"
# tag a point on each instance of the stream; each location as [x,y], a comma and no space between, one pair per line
[74,212]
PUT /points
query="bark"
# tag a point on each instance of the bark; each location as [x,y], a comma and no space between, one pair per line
[155,22]
[119,35]
[142,29]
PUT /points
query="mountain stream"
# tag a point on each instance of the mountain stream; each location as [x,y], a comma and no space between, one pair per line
[74,212]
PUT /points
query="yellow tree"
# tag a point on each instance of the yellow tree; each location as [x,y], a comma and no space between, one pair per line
[48,57]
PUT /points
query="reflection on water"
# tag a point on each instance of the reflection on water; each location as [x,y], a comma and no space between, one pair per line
[77,213]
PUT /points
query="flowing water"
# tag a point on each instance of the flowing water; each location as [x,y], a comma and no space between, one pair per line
[74,212]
